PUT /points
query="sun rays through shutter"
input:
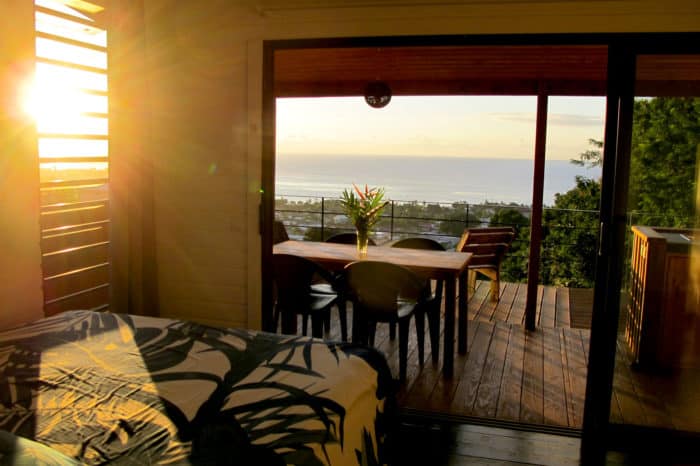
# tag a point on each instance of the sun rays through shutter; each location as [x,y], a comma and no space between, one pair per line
[70,105]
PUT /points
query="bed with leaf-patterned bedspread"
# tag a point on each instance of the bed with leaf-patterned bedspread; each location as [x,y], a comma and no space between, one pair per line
[99,388]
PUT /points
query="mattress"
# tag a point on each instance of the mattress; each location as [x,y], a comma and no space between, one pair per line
[121,389]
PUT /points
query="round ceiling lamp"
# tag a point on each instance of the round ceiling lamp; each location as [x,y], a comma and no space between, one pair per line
[377,94]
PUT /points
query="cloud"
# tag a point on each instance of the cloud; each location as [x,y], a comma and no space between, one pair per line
[558,119]
[567,119]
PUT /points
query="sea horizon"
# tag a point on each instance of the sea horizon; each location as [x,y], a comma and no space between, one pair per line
[432,179]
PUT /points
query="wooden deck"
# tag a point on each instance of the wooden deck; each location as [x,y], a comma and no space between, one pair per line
[539,377]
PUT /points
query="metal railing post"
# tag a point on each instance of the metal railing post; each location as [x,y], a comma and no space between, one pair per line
[323,217]
[391,232]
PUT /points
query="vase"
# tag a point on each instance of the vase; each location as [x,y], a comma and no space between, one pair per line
[362,240]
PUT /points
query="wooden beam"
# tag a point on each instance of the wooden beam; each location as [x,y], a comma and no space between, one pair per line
[533,268]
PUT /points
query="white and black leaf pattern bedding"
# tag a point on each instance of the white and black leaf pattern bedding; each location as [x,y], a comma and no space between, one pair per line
[121,389]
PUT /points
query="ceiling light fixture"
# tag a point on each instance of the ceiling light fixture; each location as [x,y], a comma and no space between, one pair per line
[377,94]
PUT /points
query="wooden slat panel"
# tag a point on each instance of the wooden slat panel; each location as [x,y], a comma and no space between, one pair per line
[78,216]
[92,299]
[64,285]
[72,259]
[75,237]
[75,194]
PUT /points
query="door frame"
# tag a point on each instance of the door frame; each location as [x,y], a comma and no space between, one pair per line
[622,49]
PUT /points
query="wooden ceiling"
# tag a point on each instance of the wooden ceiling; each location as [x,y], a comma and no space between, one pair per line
[470,70]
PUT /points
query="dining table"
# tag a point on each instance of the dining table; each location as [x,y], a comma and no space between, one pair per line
[450,266]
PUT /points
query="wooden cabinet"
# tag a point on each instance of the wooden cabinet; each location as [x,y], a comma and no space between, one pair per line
[663,312]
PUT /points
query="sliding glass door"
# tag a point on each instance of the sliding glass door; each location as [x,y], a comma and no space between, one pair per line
[657,366]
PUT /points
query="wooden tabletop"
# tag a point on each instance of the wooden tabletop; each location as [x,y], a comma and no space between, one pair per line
[334,256]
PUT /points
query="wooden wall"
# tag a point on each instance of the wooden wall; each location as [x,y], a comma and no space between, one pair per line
[204,75]
[20,257]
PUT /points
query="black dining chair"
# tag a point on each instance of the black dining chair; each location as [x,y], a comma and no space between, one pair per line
[279,232]
[338,285]
[431,301]
[347,238]
[383,292]
[295,278]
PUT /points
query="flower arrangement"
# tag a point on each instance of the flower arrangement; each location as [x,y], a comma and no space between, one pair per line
[363,210]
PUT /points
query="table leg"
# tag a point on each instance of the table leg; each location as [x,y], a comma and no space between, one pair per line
[449,343]
[462,310]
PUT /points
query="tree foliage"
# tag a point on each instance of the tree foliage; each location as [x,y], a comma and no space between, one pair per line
[514,264]
[665,141]
[570,236]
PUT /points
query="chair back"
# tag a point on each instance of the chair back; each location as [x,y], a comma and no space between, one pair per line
[293,276]
[423,243]
[347,238]
[378,286]
[488,245]
[418,243]
[279,232]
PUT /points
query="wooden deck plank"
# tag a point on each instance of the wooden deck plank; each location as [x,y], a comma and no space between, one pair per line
[555,412]
[487,309]
[652,410]
[487,395]
[468,385]
[477,299]
[563,311]
[532,400]
[505,303]
[442,396]
[538,308]
[548,312]
[420,386]
[511,383]
[576,369]
[517,314]
[497,378]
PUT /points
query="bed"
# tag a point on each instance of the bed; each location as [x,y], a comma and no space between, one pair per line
[95,388]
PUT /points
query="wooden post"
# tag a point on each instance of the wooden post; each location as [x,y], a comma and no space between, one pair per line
[536,215]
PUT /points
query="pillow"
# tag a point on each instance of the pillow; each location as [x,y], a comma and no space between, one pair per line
[15,451]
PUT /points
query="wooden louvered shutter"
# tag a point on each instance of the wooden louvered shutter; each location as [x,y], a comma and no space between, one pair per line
[71,109]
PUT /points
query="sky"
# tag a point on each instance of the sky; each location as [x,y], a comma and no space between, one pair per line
[449,126]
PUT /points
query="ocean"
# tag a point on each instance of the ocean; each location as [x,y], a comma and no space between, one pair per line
[434,179]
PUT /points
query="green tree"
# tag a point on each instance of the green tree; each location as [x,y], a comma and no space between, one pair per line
[457,219]
[570,236]
[665,141]
[514,264]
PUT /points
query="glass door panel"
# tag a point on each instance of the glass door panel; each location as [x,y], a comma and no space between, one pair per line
[657,369]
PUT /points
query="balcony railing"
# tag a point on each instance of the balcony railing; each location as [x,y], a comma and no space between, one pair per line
[321,217]
[317,218]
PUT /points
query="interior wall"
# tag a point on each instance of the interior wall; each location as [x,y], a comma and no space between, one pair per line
[21,296]
[205,95]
